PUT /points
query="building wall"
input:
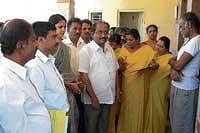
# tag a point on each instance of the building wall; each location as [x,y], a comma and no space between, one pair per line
[83,7]
[196,7]
[159,12]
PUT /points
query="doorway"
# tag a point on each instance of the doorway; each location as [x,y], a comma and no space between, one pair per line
[132,19]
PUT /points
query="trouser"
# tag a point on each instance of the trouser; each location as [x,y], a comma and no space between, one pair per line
[80,105]
[96,120]
[183,106]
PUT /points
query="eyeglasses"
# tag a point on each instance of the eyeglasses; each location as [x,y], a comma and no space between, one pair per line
[101,32]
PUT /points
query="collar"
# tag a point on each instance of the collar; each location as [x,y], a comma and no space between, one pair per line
[43,57]
[69,43]
[81,40]
[107,46]
[197,36]
[98,48]
[21,71]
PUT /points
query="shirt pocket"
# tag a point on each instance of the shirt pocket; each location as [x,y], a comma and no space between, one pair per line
[110,64]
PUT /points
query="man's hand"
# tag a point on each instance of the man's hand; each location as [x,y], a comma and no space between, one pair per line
[198,124]
[95,102]
[90,91]
[118,95]
[73,87]
[122,64]
[172,61]
[175,75]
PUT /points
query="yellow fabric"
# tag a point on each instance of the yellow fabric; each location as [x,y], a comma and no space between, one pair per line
[156,120]
[152,44]
[113,117]
[57,120]
[132,107]
[117,52]
[115,108]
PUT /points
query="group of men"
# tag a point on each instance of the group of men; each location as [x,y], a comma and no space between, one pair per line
[33,91]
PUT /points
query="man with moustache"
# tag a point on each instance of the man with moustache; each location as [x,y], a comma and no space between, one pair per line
[185,77]
[97,67]
[46,78]
[21,109]
[86,31]
[74,44]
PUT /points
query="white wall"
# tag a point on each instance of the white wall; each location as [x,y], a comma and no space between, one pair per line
[83,7]
[30,10]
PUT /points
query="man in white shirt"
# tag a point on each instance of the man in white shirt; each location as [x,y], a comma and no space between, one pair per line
[97,67]
[73,46]
[72,41]
[86,31]
[45,76]
[184,74]
[21,109]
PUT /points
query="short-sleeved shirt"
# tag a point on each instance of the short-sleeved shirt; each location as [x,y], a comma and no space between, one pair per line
[101,66]
[189,80]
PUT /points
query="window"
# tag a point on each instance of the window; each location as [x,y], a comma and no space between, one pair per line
[95,16]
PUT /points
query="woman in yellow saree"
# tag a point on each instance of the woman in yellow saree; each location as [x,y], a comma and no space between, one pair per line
[152,32]
[156,116]
[115,42]
[133,59]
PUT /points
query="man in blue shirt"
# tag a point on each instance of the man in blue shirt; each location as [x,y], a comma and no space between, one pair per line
[46,77]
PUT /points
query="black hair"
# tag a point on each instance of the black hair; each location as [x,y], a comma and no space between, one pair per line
[166,41]
[107,25]
[112,30]
[115,37]
[73,20]
[151,25]
[94,26]
[1,27]
[55,18]
[14,31]
[192,18]
[134,33]
[121,30]
[42,28]
[87,21]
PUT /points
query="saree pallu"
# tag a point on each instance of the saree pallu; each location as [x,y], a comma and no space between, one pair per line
[151,44]
[131,118]
[156,112]
[115,108]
